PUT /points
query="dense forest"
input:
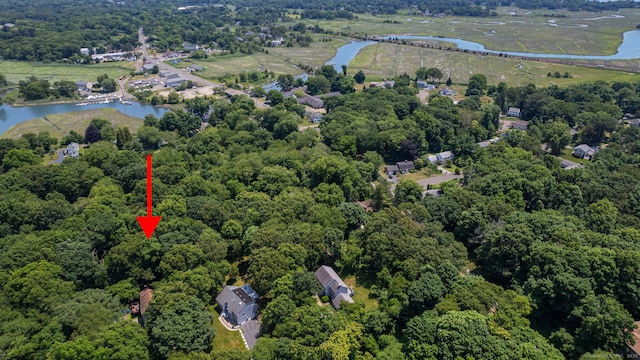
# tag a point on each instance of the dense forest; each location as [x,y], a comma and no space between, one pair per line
[521,259]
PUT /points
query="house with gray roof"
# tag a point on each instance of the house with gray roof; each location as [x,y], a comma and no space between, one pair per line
[72,150]
[568,165]
[584,151]
[401,167]
[313,101]
[238,304]
[174,81]
[444,156]
[333,286]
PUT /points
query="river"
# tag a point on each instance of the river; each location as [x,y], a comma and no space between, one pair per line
[10,116]
[629,49]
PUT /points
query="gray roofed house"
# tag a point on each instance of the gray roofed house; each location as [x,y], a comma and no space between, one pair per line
[164,73]
[447,92]
[314,102]
[405,166]
[584,151]
[174,82]
[432,159]
[483,144]
[83,85]
[333,286]
[634,122]
[392,169]
[444,156]
[173,76]
[238,304]
[402,167]
[568,165]
[425,85]
[72,150]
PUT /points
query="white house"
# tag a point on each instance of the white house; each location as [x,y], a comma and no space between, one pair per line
[513,111]
[72,150]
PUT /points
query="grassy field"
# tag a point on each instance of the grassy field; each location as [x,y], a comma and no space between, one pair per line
[19,70]
[59,125]
[280,60]
[386,60]
[566,154]
[361,294]
[225,339]
[513,29]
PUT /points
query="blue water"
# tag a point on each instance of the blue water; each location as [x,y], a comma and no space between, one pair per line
[346,53]
[629,49]
[10,116]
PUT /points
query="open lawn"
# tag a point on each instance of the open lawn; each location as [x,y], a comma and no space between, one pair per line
[512,30]
[59,125]
[225,339]
[20,70]
[361,294]
[280,60]
[566,154]
[386,60]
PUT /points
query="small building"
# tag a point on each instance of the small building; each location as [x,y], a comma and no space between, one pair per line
[425,85]
[392,169]
[483,144]
[405,166]
[432,159]
[72,150]
[333,286]
[568,165]
[315,117]
[634,349]
[8,25]
[194,67]
[84,85]
[447,92]
[520,125]
[190,47]
[84,51]
[513,111]
[148,67]
[444,156]
[277,41]
[174,82]
[634,122]
[238,304]
[139,307]
[313,101]
[164,73]
[386,84]
[584,151]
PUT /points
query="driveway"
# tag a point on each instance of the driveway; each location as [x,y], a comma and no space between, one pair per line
[60,157]
[250,332]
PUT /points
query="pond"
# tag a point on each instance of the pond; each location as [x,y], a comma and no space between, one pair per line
[10,116]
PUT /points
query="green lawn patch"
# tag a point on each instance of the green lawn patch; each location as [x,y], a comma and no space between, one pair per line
[225,339]
[387,60]
[566,154]
[20,70]
[361,293]
[59,125]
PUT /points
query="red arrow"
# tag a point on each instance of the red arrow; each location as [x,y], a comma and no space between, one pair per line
[148,223]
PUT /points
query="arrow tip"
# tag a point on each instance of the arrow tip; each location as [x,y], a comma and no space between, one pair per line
[148,224]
